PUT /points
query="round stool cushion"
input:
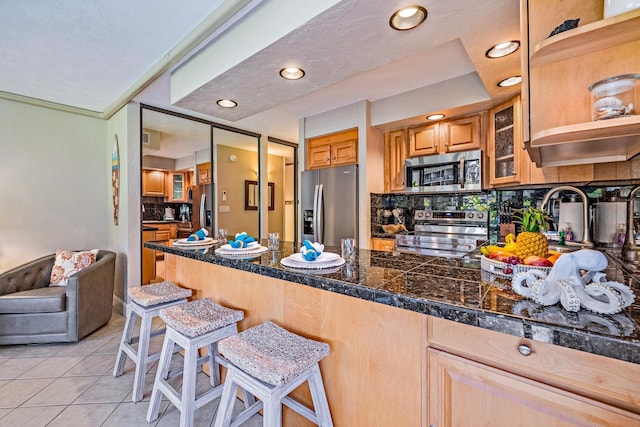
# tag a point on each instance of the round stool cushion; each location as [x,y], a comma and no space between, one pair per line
[271,353]
[157,293]
[199,317]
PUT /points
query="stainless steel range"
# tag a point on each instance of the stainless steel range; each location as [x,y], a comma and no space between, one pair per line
[445,233]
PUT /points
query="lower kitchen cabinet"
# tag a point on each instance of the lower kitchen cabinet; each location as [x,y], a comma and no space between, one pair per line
[380,244]
[480,377]
[148,257]
[466,393]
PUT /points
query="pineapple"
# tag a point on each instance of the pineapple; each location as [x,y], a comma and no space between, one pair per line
[530,241]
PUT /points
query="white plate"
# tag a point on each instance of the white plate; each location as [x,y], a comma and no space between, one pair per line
[311,265]
[250,246]
[242,255]
[322,258]
[185,242]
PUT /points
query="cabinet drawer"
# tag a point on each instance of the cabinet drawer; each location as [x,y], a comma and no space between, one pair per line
[608,380]
[378,244]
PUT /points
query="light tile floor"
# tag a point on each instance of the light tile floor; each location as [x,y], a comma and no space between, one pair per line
[72,385]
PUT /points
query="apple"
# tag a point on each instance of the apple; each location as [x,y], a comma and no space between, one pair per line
[538,261]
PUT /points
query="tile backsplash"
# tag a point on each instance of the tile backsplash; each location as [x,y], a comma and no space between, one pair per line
[499,203]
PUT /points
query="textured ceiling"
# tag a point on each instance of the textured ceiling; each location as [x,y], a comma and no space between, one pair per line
[350,53]
[87,54]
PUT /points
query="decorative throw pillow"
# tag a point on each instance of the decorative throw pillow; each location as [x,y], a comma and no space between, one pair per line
[68,263]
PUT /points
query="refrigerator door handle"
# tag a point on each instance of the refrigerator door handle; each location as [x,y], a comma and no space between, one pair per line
[203,211]
[320,220]
[314,224]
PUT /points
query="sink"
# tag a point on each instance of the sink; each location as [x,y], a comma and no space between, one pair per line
[569,247]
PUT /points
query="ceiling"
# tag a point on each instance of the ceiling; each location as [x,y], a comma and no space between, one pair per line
[88,54]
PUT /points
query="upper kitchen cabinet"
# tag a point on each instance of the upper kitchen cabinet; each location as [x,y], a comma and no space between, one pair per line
[505,149]
[204,173]
[336,149]
[445,137]
[153,183]
[395,153]
[177,182]
[562,68]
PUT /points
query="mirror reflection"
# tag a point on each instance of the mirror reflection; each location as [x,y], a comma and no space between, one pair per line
[177,182]
[281,173]
[237,162]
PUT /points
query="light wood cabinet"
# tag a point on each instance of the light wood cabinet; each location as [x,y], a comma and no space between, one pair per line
[424,140]
[395,153]
[507,158]
[148,257]
[177,184]
[380,244]
[562,67]
[204,173]
[541,366]
[166,231]
[446,137]
[153,183]
[466,393]
[337,149]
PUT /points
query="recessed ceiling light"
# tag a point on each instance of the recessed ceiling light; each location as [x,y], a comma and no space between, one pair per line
[502,49]
[227,103]
[408,17]
[435,116]
[510,81]
[292,73]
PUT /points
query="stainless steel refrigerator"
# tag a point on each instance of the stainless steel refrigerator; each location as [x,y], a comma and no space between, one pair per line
[329,204]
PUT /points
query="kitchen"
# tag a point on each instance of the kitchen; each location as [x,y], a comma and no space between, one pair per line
[457,370]
[371,161]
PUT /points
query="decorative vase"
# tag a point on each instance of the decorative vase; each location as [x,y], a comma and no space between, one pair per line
[618,7]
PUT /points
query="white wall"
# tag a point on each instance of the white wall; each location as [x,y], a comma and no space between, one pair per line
[125,238]
[55,172]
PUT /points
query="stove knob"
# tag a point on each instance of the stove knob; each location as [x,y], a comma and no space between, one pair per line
[480,215]
[427,214]
[420,214]
[470,215]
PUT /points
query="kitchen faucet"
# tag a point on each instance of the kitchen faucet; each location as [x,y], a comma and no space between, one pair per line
[631,251]
[586,235]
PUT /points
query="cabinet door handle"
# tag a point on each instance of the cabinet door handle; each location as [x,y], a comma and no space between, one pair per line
[524,350]
[327,159]
[334,157]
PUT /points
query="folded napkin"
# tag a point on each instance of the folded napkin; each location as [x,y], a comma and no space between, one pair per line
[311,251]
[242,241]
[198,235]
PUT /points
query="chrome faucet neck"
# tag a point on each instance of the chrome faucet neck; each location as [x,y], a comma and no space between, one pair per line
[586,233]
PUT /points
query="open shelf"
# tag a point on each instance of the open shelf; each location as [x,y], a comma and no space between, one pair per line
[600,130]
[599,141]
[589,38]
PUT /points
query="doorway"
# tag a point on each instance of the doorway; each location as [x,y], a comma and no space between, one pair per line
[282,172]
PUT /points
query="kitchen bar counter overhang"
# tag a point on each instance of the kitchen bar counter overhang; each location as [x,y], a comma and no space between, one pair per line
[452,289]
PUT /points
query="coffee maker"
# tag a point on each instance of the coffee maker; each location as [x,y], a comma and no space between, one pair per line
[610,221]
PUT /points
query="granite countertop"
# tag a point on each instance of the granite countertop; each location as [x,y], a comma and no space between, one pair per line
[453,289]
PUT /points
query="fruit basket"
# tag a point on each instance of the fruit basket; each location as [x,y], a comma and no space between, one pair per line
[499,273]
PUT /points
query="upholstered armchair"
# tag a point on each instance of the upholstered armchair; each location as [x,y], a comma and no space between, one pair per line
[31,311]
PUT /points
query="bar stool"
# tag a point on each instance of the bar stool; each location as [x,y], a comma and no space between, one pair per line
[145,302]
[270,362]
[196,324]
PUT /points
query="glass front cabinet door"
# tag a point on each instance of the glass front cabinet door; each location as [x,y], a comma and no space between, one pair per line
[505,143]
[177,187]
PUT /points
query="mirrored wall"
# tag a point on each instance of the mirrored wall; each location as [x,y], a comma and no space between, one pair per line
[193,175]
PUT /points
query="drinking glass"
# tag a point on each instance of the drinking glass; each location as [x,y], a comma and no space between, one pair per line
[273,241]
[348,249]
[222,234]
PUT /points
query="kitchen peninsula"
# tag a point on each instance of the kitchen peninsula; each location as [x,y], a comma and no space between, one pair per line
[419,340]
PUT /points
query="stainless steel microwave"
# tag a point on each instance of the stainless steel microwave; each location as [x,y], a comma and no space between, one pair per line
[454,172]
